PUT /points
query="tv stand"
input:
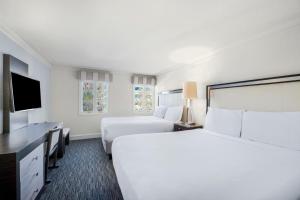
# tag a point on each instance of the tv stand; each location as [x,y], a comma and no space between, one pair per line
[22,153]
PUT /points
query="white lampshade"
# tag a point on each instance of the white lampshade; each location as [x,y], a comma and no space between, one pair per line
[190,90]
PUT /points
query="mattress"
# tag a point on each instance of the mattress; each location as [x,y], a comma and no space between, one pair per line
[197,164]
[114,127]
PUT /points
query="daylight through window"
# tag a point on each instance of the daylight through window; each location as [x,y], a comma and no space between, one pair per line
[143,98]
[93,97]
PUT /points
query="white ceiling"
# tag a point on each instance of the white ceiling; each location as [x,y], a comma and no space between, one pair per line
[139,36]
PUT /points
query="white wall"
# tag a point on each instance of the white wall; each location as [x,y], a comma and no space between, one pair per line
[270,54]
[65,101]
[37,69]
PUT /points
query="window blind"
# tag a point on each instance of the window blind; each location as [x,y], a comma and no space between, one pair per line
[95,75]
[143,79]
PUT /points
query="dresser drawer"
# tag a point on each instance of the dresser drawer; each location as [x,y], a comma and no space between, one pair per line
[32,173]
[30,161]
[31,191]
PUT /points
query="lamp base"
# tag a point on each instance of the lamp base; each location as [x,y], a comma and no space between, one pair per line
[189,123]
[188,114]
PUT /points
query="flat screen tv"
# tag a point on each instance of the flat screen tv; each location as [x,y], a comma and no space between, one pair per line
[26,93]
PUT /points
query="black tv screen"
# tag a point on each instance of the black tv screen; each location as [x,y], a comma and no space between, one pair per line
[26,92]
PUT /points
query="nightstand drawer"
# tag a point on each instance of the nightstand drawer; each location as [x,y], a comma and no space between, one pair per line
[178,128]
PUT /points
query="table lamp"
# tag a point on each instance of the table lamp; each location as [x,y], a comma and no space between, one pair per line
[189,93]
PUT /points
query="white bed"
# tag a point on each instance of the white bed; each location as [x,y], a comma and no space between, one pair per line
[168,111]
[200,164]
[118,126]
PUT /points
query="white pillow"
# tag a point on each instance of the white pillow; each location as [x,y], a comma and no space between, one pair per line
[174,114]
[228,122]
[160,111]
[277,128]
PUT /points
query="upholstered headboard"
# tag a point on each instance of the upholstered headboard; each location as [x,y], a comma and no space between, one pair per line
[279,93]
[170,98]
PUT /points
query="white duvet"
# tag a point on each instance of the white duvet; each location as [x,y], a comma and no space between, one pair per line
[200,165]
[114,127]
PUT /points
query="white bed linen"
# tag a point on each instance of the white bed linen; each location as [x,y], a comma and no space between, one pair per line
[203,165]
[113,127]
[277,128]
[228,122]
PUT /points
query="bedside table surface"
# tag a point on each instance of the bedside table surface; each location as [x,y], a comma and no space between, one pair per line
[185,127]
[189,125]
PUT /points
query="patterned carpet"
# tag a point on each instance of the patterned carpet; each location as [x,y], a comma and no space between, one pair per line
[84,173]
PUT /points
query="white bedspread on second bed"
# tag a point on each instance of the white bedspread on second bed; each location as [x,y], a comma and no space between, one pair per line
[196,165]
[113,127]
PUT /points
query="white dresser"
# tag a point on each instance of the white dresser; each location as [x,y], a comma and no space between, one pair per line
[22,161]
[32,173]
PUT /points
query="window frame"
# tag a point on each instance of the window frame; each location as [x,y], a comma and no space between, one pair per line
[153,99]
[80,104]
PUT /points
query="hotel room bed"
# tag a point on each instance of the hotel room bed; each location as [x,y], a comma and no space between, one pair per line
[118,126]
[201,164]
[168,111]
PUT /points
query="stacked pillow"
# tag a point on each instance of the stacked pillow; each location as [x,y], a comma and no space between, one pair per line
[173,114]
[228,122]
[160,111]
[276,128]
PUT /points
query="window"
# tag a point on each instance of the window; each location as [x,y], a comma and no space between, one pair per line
[93,97]
[143,98]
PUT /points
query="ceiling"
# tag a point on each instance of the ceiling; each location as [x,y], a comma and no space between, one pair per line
[139,36]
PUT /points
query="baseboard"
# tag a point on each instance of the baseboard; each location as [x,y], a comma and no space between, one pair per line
[85,136]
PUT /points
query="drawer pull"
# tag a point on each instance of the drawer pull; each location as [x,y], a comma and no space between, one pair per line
[35,158]
[36,174]
[33,194]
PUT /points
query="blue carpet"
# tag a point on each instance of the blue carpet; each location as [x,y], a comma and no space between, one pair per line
[84,173]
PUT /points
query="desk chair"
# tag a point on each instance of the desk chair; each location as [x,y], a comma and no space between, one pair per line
[51,150]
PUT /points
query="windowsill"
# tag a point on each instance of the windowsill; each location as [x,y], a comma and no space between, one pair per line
[92,114]
[142,113]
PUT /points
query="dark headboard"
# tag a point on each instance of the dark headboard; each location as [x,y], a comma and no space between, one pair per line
[249,83]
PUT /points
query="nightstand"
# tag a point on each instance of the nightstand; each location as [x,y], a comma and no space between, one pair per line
[184,127]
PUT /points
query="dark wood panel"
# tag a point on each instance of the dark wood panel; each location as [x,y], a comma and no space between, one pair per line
[17,141]
[6,93]
[8,177]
